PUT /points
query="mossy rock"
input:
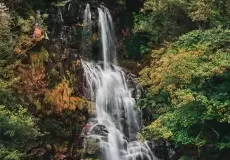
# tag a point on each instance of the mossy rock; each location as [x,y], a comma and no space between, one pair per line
[38,58]
[92,145]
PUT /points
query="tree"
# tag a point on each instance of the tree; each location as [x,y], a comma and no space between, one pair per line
[17,127]
[189,84]
[208,13]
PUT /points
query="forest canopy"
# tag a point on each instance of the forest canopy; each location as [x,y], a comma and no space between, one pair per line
[187,80]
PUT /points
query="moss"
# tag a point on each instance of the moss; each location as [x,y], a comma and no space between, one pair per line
[130,65]
[53,78]
[59,4]
[38,58]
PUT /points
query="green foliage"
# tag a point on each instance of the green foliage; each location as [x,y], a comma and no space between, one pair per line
[17,128]
[209,48]
[225,144]
[59,4]
[14,124]
[165,20]
[156,104]
[187,158]
[6,41]
[121,2]
[136,45]
[39,57]
[189,97]
[159,25]
[207,13]
[7,154]
[25,24]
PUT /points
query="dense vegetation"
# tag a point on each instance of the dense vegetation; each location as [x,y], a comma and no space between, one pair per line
[180,47]
[187,81]
[18,127]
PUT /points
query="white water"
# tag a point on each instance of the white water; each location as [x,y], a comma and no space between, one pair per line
[107,36]
[87,33]
[116,123]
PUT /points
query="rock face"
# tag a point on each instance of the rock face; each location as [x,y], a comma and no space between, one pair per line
[41,152]
[91,145]
[65,53]
[162,150]
[136,89]
[66,25]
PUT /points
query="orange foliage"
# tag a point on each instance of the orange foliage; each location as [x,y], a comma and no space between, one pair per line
[32,82]
[60,97]
[95,37]
[18,51]
[27,42]
[34,57]
[37,32]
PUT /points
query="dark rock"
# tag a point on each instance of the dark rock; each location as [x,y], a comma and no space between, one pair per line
[41,152]
[94,129]
[63,157]
[91,145]
[163,149]
[99,130]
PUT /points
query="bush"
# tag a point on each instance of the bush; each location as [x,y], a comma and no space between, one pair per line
[17,129]
[160,26]
[136,45]
[206,13]
[192,79]
[10,154]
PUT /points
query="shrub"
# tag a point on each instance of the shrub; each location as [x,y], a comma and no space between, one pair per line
[189,93]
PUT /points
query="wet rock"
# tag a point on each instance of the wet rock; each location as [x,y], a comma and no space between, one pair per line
[86,129]
[91,145]
[91,128]
[63,157]
[136,89]
[41,152]
[99,130]
[162,149]
[60,157]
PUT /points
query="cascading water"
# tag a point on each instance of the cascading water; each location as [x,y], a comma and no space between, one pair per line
[87,33]
[107,36]
[117,122]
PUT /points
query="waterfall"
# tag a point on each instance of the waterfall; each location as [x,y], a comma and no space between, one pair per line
[87,33]
[107,36]
[117,122]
